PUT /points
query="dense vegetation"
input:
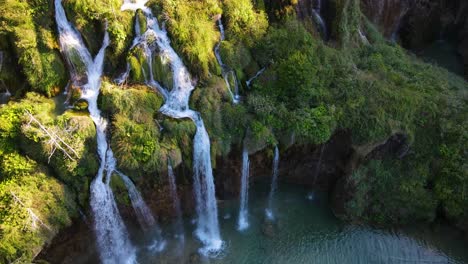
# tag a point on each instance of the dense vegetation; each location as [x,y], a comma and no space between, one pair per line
[310,89]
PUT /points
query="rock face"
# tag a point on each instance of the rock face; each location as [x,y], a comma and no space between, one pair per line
[418,23]
[312,166]
[386,14]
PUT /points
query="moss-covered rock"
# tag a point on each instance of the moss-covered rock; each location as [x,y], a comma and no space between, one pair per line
[34,208]
[193,32]
[29,25]
[89,17]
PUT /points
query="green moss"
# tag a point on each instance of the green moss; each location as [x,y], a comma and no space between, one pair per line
[193,32]
[243,23]
[26,193]
[29,25]
[89,17]
[162,71]
[346,22]
[406,198]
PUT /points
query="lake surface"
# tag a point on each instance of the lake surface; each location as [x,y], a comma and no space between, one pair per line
[306,231]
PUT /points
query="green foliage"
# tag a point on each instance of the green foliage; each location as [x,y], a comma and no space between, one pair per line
[347,22]
[451,177]
[89,17]
[135,134]
[21,131]
[15,165]
[225,122]
[193,31]
[243,23]
[391,192]
[29,25]
[315,125]
[23,197]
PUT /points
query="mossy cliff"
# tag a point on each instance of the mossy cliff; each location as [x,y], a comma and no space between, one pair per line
[388,131]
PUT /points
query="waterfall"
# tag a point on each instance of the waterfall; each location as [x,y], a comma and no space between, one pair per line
[4,96]
[255,76]
[176,106]
[225,71]
[269,211]
[112,238]
[178,225]
[243,221]
[317,168]
[318,19]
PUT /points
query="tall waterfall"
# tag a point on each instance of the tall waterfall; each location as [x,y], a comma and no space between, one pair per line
[243,221]
[178,224]
[269,211]
[228,74]
[111,234]
[176,106]
[318,19]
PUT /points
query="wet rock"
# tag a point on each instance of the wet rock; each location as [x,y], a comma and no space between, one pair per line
[386,14]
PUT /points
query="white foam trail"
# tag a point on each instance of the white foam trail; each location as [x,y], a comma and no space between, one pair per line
[243,221]
[274,184]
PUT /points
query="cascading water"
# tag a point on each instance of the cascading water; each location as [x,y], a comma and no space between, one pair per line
[319,164]
[178,224]
[248,82]
[4,96]
[317,17]
[111,234]
[228,74]
[243,221]
[269,211]
[176,106]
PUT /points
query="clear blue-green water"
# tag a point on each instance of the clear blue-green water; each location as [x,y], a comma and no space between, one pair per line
[306,231]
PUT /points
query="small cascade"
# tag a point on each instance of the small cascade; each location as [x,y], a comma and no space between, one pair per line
[318,19]
[319,164]
[178,224]
[4,96]
[248,82]
[228,74]
[269,211]
[243,221]
[144,216]
[176,106]
[112,238]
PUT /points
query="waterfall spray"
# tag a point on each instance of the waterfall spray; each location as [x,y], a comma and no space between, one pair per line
[178,225]
[269,211]
[243,221]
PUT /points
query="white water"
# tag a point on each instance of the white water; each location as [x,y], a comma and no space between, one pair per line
[269,211]
[112,238]
[226,72]
[255,76]
[176,106]
[178,224]
[243,221]
[144,216]
[317,17]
